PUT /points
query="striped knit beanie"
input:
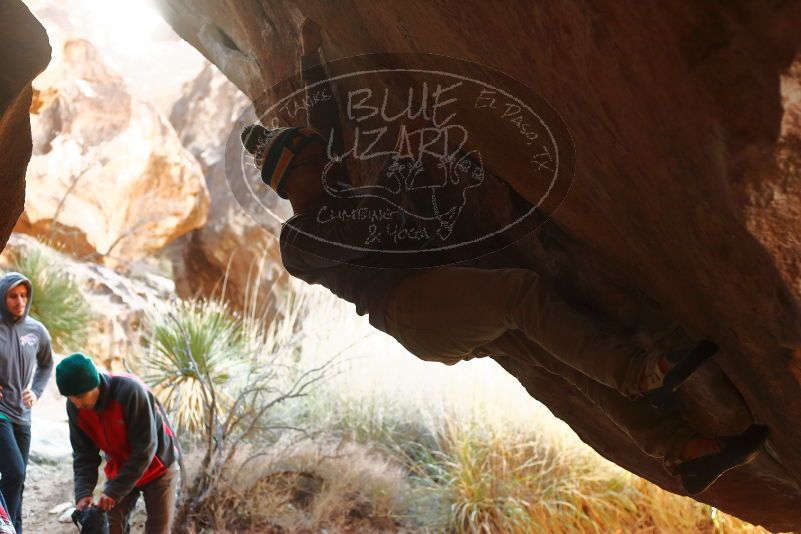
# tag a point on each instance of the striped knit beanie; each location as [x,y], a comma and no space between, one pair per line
[274,150]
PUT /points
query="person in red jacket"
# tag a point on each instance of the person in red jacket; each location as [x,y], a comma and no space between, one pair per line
[120,416]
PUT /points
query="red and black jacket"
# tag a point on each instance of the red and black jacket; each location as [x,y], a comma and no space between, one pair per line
[130,427]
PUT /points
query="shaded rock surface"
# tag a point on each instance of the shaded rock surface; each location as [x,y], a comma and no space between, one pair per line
[24,53]
[109,178]
[231,251]
[683,211]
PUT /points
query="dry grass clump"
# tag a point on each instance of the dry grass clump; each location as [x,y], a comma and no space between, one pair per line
[402,451]
[511,480]
[310,486]
[460,472]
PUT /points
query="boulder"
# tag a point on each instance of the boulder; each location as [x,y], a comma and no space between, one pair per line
[50,440]
[153,60]
[109,179]
[24,53]
[231,252]
[683,208]
[118,303]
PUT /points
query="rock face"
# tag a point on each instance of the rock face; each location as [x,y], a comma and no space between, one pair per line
[118,303]
[231,251]
[144,50]
[684,207]
[24,53]
[109,178]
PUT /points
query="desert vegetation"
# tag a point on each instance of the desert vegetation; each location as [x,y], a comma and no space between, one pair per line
[57,300]
[309,421]
[290,428]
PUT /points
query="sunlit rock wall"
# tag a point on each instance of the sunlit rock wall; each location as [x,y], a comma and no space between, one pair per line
[109,179]
[231,252]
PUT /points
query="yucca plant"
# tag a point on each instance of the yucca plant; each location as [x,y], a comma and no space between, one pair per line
[223,379]
[193,343]
[57,299]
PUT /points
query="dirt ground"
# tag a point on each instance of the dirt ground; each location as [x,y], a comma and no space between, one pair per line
[46,486]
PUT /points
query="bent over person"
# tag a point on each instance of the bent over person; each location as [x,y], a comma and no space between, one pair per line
[451,313]
[118,415]
[26,362]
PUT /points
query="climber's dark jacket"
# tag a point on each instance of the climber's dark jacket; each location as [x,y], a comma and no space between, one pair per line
[130,427]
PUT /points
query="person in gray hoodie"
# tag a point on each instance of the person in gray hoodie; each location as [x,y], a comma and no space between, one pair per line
[26,363]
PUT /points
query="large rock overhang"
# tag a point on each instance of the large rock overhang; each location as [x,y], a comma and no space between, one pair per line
[685,201]
[24,53]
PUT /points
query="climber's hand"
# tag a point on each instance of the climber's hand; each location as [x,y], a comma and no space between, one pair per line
[83,502]
[106,502]
[29,398]
[310,36]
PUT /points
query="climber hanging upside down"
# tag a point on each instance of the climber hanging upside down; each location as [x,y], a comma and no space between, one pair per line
[451,313]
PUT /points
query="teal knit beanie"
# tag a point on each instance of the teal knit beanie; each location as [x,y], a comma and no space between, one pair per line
[76,374]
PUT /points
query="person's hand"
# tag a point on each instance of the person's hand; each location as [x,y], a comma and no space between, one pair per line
[106,503]
[310,36]
[83,503]
[29,398]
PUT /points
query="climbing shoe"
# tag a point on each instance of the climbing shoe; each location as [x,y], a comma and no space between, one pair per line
[664,374]
[700,473]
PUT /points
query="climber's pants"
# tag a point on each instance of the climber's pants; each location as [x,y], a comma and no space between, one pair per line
[444,314]
[159,495]
[538,370]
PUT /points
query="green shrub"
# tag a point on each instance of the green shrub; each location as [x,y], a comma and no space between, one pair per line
[194,342]
[224,379]
[57,299]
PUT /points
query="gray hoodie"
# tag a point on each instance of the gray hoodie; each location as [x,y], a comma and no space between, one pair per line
[25,354]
